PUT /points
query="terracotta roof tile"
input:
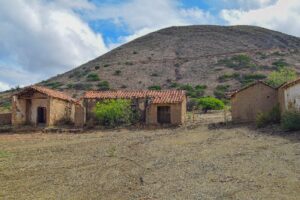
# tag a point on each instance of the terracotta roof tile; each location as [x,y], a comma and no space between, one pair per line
[48,92]
[164,96]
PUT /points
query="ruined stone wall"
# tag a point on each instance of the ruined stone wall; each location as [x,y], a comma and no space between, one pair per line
[18,111]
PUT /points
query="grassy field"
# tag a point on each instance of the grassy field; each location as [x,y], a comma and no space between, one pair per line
[197,161]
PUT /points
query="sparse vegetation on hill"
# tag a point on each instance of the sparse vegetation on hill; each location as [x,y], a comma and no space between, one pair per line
[191,55]
[154,87]
[92,77]
[103,85]
[277,78]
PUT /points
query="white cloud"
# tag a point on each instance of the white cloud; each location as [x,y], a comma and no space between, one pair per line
[141,17]
[283,16]
[4,86]
[242,4]
[46,37]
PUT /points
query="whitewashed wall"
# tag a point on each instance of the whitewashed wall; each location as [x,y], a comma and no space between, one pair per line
[292,97]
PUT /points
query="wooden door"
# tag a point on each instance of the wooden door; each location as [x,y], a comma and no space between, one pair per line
[163,114]
[41,115]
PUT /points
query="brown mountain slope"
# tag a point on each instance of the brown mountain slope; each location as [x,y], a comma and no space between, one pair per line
[222,58]
[187,55]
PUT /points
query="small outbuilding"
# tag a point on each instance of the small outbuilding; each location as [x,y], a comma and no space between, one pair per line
[36,105]
[289,96]
[154,107]
[248,102]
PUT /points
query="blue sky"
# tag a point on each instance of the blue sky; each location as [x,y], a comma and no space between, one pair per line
[48,37]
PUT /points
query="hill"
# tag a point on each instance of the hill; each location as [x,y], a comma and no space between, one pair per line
[205,60]
[215,56]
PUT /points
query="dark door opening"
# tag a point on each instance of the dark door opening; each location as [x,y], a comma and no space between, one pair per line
[41,115]
[163,115]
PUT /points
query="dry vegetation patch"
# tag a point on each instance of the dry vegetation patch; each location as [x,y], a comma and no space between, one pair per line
[193,162]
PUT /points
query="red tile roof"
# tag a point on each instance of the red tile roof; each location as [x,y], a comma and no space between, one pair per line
[164,96]
[48,92]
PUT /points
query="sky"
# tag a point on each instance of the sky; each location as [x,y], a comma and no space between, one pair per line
[43,38]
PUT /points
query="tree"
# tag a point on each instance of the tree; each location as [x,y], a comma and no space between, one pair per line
[277,78]
[113,112]
[210,103]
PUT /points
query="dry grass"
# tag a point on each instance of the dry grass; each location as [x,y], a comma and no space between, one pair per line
[192,162]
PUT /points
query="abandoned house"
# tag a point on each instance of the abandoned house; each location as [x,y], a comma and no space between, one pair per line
[248,102]
[289,96]
[154,107]
[36,105]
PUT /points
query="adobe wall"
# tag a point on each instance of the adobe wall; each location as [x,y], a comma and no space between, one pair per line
[35,103]
[281,100]
[5,118]
[177,110]
[79,116]
[246,104]
[60,111]
[290,98]
[18,111]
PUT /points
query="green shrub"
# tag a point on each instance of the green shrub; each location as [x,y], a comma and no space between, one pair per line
[69,85]
[251,78]
[154,74]
[54,85]
[237,61]
[186,87]
[280,63]
[272,117]
[210,103]
[154,87]
[82,86]
[277,78]
[200,87]
[103,86]
[220,91]
[134,52]
[92,77]
[113,112]
[227,77]
[106,65]
[97,67]
[255,76]
[174,85]
[291,121]
[128,63]
[117,72]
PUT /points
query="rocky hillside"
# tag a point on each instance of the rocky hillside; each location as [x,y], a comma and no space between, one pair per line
[211,58]
[204,60]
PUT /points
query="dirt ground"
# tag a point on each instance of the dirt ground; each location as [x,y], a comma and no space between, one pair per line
[196,161]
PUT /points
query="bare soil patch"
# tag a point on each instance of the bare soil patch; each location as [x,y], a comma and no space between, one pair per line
[191,162]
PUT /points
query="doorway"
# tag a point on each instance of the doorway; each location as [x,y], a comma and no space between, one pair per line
[163,115]
[41,115]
